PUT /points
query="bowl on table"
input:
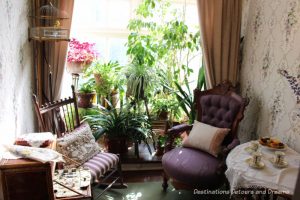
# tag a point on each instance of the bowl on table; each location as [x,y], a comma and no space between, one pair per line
[272,143]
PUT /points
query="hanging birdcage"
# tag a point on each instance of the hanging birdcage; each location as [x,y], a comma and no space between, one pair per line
[48,24]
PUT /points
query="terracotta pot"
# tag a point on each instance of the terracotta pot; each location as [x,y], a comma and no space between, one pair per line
[117,145]
[76,68]
[163,115]
[85,100]
[98,79]
[103,102]
[114,98]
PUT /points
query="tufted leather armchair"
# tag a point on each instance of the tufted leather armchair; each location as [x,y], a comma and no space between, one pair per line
[191,168]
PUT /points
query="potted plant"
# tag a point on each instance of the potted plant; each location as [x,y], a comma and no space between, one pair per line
[161,106]
[166,107]
[86,94]
[107,79]
[120,127]
[140,80]
[80,56]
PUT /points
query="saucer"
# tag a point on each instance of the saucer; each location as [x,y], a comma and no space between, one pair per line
[259,165]
[283,164]
[249,150]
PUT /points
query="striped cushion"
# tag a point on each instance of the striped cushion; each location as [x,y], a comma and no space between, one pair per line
[101,163]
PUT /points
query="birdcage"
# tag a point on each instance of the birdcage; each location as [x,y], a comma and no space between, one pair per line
[47,24]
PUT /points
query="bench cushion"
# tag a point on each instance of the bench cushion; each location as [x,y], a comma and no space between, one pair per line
[101,163]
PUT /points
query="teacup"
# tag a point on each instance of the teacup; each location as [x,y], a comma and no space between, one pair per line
[279,157]
[256,156]
[254,145]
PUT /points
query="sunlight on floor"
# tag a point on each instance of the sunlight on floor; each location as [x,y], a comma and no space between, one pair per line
[134,196]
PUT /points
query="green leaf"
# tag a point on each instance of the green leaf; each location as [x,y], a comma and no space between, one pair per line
[201,78]
[98,133]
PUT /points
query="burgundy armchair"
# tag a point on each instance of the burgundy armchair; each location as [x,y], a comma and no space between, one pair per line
[190,168]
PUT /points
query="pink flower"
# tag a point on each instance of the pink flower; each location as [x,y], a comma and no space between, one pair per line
[81,52]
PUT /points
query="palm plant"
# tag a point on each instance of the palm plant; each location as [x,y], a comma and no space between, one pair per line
[119,123]
[185,97]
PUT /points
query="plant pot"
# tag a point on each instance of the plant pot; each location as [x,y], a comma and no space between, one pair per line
[159,151]
[116,145]
[76,67]
[163,115]
[98,79]
[85,100]
[114,98]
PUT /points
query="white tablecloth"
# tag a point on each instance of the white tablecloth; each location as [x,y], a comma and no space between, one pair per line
[241,175]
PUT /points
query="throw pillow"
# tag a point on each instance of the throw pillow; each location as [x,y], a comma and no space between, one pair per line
[43,139]
[78,145]
[206,138]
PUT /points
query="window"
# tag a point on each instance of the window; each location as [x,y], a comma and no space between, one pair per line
[104,22]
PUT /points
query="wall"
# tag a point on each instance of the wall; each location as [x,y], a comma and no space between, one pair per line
[16,70]
[270,74]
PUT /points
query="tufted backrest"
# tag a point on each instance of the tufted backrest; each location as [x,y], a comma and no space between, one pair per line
[220,107]
[219,111]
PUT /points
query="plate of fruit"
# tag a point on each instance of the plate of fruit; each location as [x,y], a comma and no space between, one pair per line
[272,143]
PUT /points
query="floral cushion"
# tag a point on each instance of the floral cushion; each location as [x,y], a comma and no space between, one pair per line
[79,145]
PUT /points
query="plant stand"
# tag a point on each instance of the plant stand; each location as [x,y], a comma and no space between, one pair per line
[152,134]
[75,79]
[75,69]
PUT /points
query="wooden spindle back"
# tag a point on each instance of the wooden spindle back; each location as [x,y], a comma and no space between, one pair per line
[59,117]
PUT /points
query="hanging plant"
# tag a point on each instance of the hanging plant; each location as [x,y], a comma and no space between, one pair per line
[80,55]
[81,52]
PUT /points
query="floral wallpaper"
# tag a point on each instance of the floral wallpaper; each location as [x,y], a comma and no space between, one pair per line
[270,71]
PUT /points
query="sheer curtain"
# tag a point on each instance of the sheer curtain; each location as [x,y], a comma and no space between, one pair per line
[220,24]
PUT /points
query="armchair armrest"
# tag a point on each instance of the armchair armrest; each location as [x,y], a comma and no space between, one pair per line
[177,130]
[235,142]
[174,132]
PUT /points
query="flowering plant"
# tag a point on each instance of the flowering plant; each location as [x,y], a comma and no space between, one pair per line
[81,52]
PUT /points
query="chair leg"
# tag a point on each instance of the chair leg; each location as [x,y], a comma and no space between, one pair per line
[136,149]
[165,182]
[119,179]
[120,172]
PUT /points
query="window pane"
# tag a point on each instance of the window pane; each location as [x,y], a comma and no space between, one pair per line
[117,50]
[101,46]
[191,16]
[119,13]
[92,14]
[101,13]
[195,64]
